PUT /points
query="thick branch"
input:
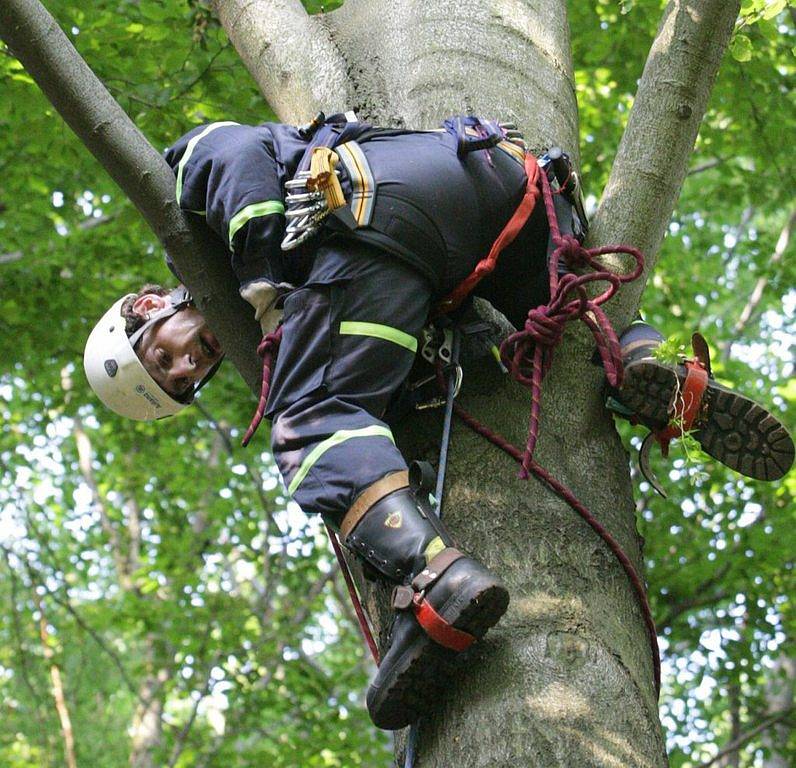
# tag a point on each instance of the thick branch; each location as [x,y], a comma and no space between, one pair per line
[290,55]
[101,124]
[652,160]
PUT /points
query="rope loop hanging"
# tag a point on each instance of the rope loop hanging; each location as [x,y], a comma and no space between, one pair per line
[528,353]
[268,349]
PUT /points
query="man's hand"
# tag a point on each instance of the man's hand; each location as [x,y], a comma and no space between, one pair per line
[263,296]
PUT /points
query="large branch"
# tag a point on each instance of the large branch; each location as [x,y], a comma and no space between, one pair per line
[101,124]
[652,160]
[290,55]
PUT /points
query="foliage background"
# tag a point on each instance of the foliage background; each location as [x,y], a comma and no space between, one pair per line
[172,574]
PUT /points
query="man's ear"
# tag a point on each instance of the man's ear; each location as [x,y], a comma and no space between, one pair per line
[149,302]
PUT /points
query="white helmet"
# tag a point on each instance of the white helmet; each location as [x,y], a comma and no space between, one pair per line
[116,374]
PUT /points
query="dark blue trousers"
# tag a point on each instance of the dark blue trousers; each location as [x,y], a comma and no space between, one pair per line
[349,341]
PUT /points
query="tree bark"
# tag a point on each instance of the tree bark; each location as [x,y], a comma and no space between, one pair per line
[568,673]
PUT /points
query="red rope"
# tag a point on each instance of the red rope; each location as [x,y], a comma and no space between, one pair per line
[364,626]
[507,235]
[542,474]
[528,354]
[267,349]
[531,349]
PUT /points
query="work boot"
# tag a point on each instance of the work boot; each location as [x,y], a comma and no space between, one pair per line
[443,602]
[729,426]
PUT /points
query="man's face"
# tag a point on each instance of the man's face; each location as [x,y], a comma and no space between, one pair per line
[177,352]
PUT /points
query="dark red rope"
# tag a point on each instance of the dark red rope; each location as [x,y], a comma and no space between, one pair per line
[528,353]
[267,349]
[542,474]
[364,626]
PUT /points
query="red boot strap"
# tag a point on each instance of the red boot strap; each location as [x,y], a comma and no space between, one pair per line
[687,408]
[414,597]
[439,630]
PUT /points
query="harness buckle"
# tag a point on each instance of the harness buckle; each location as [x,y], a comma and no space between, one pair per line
[437,343]
[402,598]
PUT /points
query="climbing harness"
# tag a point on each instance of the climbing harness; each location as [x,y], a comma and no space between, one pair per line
[686,409]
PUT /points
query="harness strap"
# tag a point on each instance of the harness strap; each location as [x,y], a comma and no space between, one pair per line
[513,227]
[472,133]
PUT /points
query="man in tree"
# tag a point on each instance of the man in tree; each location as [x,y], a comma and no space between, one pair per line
[413,213]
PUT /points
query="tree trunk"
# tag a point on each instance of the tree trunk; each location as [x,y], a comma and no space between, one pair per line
[568,671]
[566,678]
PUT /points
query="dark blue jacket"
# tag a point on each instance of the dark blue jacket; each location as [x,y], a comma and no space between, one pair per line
[432,209]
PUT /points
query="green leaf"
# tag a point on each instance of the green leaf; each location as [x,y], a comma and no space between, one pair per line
[773,8]
[741,48]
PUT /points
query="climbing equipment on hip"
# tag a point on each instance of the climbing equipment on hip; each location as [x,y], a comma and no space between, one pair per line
[314,191]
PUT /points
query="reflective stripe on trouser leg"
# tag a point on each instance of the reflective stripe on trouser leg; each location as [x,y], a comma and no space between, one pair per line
[341,436]
[348,343]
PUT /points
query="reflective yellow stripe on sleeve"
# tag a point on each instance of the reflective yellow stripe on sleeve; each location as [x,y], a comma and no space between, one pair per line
[244,215]
[386,332]
[338,437]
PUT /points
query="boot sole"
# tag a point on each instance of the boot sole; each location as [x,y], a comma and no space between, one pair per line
[734,429]
[420,677]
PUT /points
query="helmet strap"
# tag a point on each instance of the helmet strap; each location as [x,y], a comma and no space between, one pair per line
[179,298]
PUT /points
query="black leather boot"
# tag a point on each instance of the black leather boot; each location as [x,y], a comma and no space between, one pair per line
[443,602]
[729,426]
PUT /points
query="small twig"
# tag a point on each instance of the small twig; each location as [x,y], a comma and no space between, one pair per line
[744,737]
[757,292]
[706,166]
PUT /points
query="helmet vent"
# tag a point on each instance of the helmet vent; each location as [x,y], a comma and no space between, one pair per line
[111,367]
